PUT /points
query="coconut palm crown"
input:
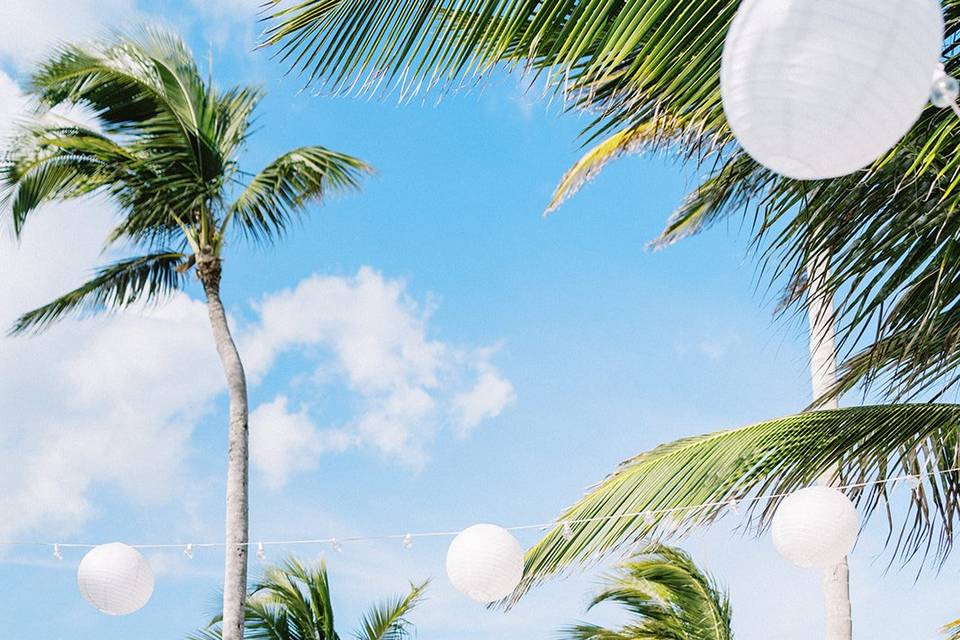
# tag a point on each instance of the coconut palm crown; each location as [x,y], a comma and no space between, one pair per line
[164,148]
[666,596]
[292,601]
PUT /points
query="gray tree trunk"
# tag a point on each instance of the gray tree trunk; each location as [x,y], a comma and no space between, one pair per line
[237,522]
[823,373]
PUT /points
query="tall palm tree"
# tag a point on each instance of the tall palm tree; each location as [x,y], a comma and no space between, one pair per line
[293,602]
[667,596]
[649,71]
[165,150]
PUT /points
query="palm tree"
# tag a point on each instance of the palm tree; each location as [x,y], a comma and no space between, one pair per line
[667,596]
[649,71]
[293,601]
[165,150]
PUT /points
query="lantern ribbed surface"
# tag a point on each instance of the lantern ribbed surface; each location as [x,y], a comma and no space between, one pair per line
[815,527]
[820,88]
[115,579]
[485,562]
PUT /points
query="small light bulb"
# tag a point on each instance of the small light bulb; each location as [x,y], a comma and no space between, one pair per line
[407,541]
[914,482]
[733,506]
[57,553]
[648,519]
[188,551]
[944,90]
[336,545]
[261,554]
[567,532]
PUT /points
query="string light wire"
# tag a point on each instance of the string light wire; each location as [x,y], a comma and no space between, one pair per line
[407,538]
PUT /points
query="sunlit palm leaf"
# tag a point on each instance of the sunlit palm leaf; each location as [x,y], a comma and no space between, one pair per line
[667,598]
[623,58]
[292,601]
[388,620]
[145,278]
[871,443]
[952,630]
[264,209]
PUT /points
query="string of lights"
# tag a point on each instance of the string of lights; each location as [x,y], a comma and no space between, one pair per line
[408,538]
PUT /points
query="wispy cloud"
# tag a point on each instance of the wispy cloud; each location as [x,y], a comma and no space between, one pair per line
[407,385]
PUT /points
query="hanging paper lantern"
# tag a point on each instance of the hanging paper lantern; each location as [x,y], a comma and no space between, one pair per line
[819,89]
[115,579]
[815,527]
[485,562]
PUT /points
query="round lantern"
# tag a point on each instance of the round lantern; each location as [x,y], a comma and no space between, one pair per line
[815,527]
[485,562]
[819,89]
[115,579]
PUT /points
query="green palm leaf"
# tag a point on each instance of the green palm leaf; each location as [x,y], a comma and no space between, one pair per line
[667,598]
[388,620]
[283,188]
[953,630]
[119,285]
[292,601]
[772,458]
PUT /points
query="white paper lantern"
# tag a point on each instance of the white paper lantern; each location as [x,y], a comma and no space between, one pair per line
[815,527]
[820,88]
[485,562]
[115,579]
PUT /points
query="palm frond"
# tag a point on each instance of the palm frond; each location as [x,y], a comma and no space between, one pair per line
[282,189]
[624,59]
[666,596]
[119,285]
[952,630]
[388,620]
[292,601]
[647,135]
[772,458]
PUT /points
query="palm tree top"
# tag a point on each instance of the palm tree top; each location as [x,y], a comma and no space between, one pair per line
[166,150]
[292,600]
[667,596]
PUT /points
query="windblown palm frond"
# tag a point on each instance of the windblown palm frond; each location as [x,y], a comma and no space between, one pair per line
[623,58]
[119,285]
[769,459]
[282,189]
[292,601]
[952,630]
[667,597]
[388,620]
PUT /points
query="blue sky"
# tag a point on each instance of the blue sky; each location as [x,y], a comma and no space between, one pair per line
[426,354]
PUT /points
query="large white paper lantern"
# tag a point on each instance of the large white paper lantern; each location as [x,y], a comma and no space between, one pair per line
[115,579]
[485,562]
[815,527]
[820,88]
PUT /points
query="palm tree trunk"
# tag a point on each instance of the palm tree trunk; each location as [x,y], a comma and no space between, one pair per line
[823,374]
[237,523]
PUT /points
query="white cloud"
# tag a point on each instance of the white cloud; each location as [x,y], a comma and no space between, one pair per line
[489,396]
[29,28]
[283,442]
[107,401]
[407,385]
